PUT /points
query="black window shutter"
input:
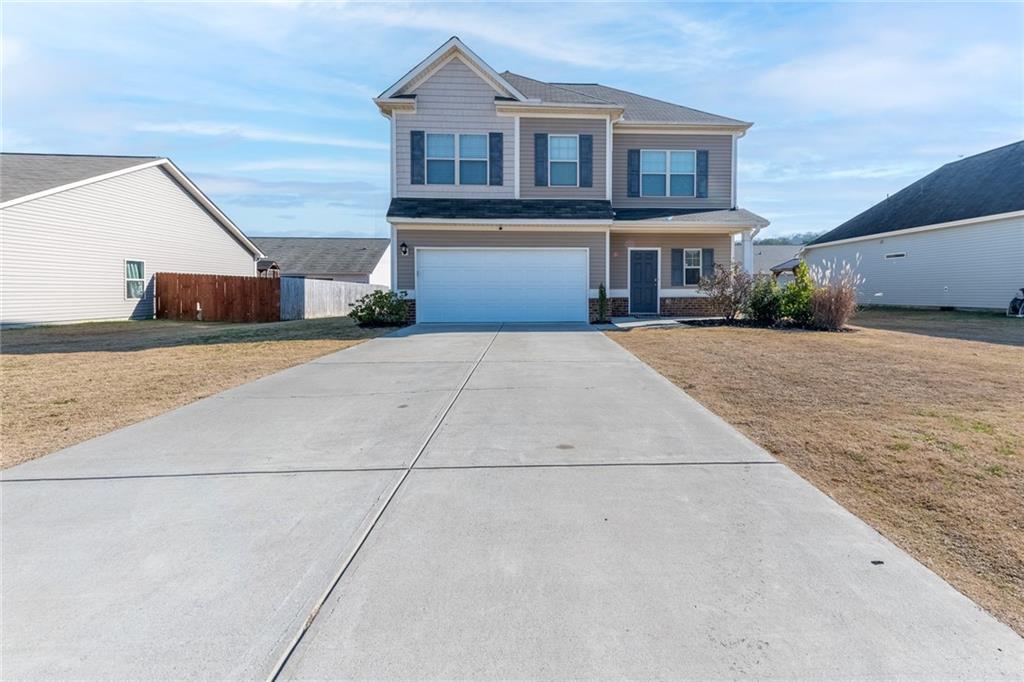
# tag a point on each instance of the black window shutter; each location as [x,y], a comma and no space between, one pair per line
[586,160]
[540,159]
[497,154]
[702,173]
[417,157]
[633,173]
[707,262]
[677,268]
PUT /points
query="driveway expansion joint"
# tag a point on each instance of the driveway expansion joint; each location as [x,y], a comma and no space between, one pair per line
[315,611]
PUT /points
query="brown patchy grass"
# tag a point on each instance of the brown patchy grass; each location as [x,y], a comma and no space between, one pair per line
[62,385]
[919,436]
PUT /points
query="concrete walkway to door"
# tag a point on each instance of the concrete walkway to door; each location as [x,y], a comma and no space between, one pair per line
[460,502]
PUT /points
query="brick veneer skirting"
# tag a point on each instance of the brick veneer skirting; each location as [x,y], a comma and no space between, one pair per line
[619,307]
[672,307]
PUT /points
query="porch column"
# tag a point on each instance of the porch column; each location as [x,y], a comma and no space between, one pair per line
[748,252]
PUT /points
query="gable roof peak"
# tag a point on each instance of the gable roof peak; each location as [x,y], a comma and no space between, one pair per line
[452,47]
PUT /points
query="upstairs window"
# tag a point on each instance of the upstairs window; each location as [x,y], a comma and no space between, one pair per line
[668,173]
[472,159]
[134,279]
[440,159]
[563,160]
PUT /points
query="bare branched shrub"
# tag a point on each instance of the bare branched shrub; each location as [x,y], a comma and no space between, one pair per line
[834,301]
[728,290]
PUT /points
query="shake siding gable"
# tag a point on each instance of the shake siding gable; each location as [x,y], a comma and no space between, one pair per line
[561,126]
[719,149]
[63,256]
[453,100]
[595,241]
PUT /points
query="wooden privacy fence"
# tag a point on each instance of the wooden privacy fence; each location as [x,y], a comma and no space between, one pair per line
[217,298]
[305,299]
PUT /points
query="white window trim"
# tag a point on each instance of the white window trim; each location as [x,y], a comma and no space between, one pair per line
[699,267]
[668,173]
[457,159]
[126,279]
[629,276]
[486,159]
[577,162]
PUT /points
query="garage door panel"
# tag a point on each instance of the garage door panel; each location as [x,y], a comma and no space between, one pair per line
[501,285]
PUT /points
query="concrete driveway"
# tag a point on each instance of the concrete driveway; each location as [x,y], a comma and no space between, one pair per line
[460,502]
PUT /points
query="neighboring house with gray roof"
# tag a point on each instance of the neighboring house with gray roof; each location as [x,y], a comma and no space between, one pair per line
[83,236]
[516,199]
[343,259]
[953,239]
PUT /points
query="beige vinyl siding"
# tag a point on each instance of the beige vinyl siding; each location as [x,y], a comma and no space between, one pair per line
[493,238]
[454,100]
[528,127]
[622,242]
[971,266]
[63,254]
[719,169]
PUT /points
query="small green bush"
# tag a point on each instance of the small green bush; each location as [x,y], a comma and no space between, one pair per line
[765,305]
[602,304]
[379,309]
[796,296]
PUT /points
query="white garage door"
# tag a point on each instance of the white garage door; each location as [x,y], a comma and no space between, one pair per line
[501,285]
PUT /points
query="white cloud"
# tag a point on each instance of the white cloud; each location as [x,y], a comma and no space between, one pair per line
[344,166]
[204,128]
[889,76]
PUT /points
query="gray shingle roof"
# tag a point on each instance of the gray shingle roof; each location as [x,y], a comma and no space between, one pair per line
[500,209]
[549,92]
[984,184]
[323,255]
[24,174]
[638,108]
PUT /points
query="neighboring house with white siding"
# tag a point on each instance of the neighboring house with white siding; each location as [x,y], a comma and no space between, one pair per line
[82,236]
[342,259]
[515,199]
[953,239]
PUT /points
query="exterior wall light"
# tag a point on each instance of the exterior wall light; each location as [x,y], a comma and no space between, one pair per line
[404,248]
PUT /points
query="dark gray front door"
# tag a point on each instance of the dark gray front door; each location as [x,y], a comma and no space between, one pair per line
[643,282]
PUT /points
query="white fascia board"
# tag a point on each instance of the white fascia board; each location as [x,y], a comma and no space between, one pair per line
[471,59]
[678,129]
[548,110]
[212,208]
[922,228]
[176,173]
[505,225]
[82,183]
[641,226]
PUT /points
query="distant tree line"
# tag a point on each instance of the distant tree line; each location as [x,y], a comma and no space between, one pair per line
[794,239]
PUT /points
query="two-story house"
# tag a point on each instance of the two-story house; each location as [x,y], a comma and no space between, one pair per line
[515,200]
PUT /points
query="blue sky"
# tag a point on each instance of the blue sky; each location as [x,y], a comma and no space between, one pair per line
[267,106]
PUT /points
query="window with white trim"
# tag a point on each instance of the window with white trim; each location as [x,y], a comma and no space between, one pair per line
[465,163]
[440,159]
[134,279]
[668,173]
[563,160]
[472,159]
[691,267]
